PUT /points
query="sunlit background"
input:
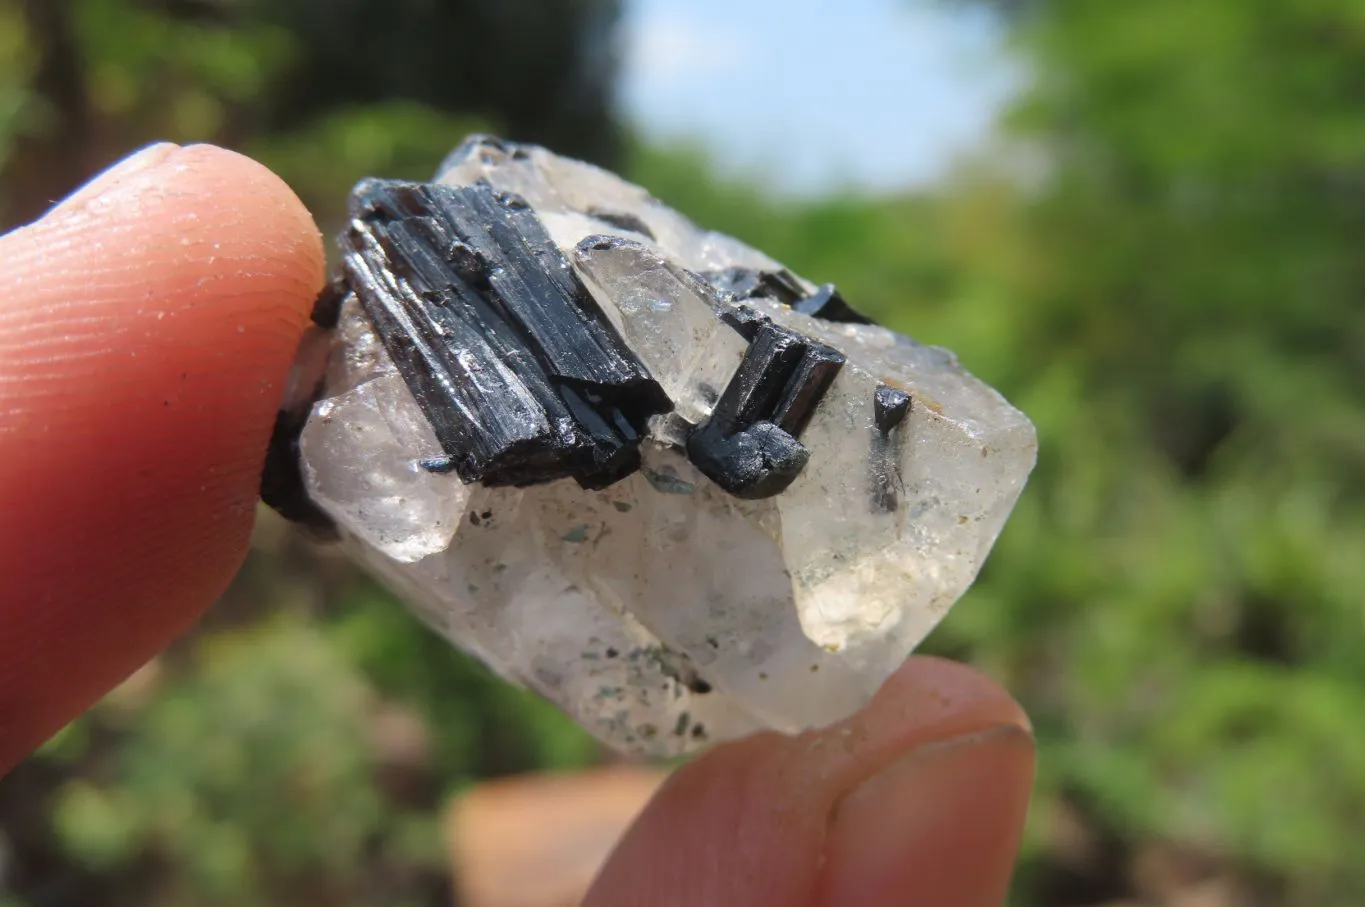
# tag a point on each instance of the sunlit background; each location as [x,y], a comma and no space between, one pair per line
[1143,222]
[879,97]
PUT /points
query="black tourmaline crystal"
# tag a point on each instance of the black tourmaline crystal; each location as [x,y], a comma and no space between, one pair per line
[514,364]
[750,444]
[826,303]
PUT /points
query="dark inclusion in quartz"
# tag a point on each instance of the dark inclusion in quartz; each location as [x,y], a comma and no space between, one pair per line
[521,375]
[890,406]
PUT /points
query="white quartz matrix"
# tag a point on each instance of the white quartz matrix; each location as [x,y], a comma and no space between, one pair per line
[662,612]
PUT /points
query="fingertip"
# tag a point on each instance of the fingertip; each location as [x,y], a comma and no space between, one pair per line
[266,217]
[931,698]
[943,822]
[173,208]
[761,821]
[107,179]
[147,326]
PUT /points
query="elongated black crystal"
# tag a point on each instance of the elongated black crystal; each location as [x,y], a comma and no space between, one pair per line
[327,307]
[751,444]
[890,406]
[513,363]
[751,283]
[282,486]
[826,303]
[622,219]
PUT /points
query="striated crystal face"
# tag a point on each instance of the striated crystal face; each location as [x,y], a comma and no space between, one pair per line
[638,466]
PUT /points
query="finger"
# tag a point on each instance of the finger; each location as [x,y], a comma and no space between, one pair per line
[146,328]
[919,799]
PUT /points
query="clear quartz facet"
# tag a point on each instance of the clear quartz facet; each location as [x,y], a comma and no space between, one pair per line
[662,612]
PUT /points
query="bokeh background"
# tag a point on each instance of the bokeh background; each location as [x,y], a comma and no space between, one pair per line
[1144,222]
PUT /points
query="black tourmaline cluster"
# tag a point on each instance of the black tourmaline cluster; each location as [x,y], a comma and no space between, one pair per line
[510,358]
[519,371]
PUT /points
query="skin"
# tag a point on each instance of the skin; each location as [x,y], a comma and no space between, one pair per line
[146,327]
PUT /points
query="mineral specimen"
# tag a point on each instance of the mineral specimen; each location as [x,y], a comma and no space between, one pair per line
[637,466]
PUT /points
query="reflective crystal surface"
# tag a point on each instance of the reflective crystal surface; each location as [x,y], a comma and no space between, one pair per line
[761,555]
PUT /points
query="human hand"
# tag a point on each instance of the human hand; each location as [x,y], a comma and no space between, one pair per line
[147,326]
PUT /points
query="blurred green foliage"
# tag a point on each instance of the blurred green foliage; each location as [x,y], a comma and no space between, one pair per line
[1160,261]
[1180,598]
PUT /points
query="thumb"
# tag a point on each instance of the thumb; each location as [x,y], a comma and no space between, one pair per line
[919,799]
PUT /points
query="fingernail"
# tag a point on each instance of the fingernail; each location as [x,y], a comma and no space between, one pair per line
[119,173]
[941,823]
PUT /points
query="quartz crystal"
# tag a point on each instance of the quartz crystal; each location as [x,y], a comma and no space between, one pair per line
[638,466]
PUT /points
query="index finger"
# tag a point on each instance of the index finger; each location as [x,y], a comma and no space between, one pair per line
[147,326]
